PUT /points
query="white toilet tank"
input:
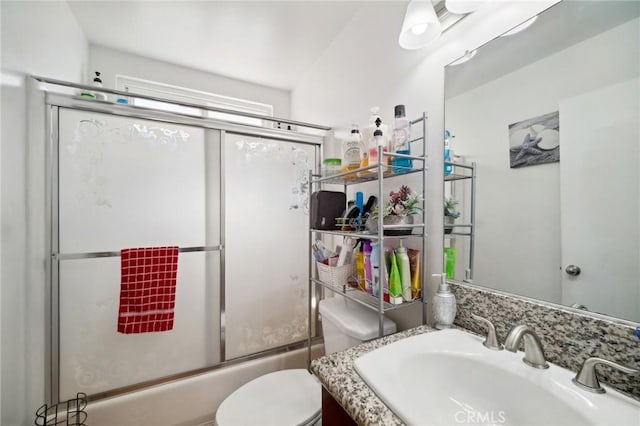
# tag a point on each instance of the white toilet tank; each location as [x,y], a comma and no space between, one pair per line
[346,323]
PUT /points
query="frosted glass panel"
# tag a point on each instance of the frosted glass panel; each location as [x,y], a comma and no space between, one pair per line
[266,248]
[95,358]
[127,183]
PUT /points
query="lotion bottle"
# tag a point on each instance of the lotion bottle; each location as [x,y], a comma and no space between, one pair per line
[444,304]
[395,282]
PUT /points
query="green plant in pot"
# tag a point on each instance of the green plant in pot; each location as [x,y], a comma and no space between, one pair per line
[398,209]
[450,214]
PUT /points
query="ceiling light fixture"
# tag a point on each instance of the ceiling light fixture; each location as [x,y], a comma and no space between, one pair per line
[462,7]
[521,27]
[420,26]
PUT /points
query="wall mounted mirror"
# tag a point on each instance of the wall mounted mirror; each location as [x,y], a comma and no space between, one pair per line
[551,118]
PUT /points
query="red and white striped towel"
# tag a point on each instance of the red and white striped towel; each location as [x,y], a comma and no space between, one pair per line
[147,289]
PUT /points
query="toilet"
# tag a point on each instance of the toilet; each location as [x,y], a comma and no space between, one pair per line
[294,397]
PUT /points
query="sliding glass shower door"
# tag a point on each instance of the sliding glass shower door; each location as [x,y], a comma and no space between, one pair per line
[236,206]
[266,243]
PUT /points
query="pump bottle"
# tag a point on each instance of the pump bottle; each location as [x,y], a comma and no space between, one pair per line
[444,304]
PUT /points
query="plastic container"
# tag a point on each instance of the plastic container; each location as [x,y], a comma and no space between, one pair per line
[331,166]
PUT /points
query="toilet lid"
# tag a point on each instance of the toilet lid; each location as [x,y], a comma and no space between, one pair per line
[286,397]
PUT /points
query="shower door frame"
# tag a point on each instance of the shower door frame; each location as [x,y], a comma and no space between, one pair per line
[52,103]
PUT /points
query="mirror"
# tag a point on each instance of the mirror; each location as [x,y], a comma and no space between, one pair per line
[550,116]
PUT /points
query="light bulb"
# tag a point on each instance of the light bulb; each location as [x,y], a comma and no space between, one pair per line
[419,29]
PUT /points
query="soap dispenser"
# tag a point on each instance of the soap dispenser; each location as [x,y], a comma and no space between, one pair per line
[444,304]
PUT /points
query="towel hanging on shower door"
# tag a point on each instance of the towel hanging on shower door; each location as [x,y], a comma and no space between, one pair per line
[147,289]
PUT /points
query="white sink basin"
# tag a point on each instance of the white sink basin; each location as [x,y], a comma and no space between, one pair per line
[448,378]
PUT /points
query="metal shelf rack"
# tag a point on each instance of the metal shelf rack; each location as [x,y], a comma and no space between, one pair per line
[376,172]
[462,172]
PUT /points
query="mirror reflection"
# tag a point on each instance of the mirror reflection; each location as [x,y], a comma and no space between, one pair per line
[550,117]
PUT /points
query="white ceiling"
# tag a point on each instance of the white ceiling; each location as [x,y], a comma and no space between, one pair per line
[266,42]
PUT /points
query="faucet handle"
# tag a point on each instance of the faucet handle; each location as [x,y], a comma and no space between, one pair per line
[491,341]
[587,378]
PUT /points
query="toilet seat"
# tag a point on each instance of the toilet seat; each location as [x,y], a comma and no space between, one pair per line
[285,397]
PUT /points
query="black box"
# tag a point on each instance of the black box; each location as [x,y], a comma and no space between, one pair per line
[326,206]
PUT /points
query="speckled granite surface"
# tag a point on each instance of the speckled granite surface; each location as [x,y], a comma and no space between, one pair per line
[341,380]
[568,337]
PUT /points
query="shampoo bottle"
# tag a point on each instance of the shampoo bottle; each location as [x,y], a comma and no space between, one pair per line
[444,305]
[405,272]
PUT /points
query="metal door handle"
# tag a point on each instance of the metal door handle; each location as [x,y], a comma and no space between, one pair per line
[573,270]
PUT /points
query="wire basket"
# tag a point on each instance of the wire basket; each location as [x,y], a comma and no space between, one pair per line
[335,275]
[66,413]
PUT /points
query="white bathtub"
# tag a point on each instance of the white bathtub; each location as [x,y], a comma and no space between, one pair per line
[191,401]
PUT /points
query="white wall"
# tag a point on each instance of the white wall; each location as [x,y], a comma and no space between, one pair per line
[518,244]
[40,38]
[364,66]
[113,62]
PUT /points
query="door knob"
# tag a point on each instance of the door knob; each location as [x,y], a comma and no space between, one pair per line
[573,270]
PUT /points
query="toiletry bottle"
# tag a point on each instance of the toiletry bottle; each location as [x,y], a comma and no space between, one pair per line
[352,151]
[450,262]
[123,100]
[378,142]
[416,281]
[360,267]
[444,305]
[405,272]
[395,282]
[368,271]
[379,270]
[346,252]
[448,168]
[400,139]
[369,142]
[97,82]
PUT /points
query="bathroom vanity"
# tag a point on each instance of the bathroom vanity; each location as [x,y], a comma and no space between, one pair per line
[345,395]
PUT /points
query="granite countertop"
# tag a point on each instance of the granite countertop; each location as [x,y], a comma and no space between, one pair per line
[340,379]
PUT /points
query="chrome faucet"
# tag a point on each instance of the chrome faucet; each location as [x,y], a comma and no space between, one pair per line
[533,354]
[491,341]
[587,377]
